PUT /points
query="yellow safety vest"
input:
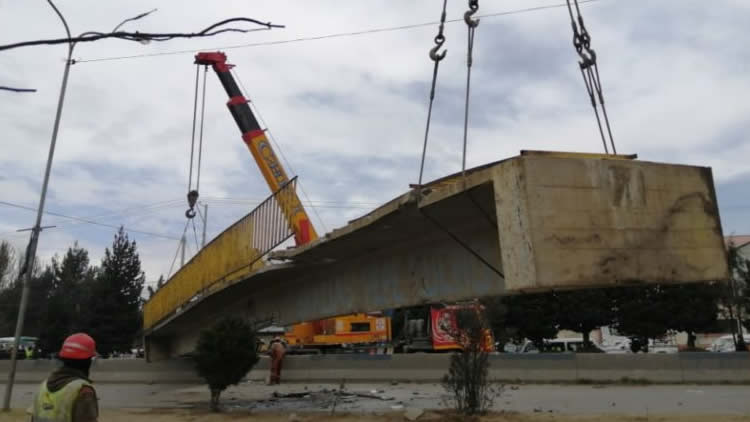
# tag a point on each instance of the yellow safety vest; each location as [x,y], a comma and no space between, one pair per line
[57,406]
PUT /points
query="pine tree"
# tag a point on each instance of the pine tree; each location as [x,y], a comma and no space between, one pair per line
[115,302]
[67,282]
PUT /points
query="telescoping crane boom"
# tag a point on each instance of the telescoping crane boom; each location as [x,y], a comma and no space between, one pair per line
[256,140]
[324,334]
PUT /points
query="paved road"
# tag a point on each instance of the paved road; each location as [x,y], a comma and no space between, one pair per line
[568,399]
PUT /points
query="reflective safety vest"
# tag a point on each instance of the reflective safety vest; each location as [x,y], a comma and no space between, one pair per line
[29,353]
[57,406]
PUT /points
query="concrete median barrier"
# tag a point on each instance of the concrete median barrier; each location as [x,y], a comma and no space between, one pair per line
[419,367]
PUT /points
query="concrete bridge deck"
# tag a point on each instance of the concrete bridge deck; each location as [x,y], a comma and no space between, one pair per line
[535,222]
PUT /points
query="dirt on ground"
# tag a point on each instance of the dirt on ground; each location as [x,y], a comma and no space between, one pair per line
[179,415]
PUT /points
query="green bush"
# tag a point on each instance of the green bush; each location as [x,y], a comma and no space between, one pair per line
[225,353]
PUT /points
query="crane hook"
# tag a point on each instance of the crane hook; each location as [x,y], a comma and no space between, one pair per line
[439,41]
[473,6]
[192,198]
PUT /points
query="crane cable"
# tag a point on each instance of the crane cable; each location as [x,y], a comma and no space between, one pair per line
[590,71]
[192,196]
[471,25]
[435,57]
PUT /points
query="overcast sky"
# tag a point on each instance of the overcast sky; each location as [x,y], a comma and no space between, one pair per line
[349,112]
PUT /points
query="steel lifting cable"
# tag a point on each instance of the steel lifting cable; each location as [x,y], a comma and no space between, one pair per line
[435,57]
[192,196]
[200,137]
[590,71]
[471,25]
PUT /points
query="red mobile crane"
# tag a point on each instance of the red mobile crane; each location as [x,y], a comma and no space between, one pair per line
[256,141]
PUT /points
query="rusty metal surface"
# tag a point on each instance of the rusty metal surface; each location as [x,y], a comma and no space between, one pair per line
[580,222]
[231,256]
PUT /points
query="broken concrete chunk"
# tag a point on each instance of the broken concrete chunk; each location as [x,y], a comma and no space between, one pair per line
[413,414]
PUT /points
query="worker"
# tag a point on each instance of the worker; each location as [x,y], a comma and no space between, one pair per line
[277,352]
[29,351]
[67,395]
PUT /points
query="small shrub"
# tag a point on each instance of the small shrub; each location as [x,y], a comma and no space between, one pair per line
[467,382]
[225,353]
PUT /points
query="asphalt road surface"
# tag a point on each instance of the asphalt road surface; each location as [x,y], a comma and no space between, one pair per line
[560,399]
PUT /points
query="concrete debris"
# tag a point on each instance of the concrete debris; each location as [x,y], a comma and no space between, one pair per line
[413,414]
[397,407]
[294,418]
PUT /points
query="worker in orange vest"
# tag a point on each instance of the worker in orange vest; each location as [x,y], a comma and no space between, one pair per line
[277,352]
[68,395]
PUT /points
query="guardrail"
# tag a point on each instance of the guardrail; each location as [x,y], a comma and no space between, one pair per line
[707,368]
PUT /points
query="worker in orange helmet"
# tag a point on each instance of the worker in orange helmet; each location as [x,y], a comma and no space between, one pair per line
[277,352]
[68,395]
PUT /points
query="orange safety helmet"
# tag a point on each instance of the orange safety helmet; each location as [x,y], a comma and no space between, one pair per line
[78,346]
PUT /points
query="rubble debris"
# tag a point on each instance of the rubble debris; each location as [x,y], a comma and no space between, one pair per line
[413,413]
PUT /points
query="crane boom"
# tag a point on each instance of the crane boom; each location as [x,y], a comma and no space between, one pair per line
[259,146]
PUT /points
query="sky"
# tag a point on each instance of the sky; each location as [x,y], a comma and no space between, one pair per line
[348,113]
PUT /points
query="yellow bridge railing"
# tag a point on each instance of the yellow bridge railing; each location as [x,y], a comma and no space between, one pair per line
[228,258]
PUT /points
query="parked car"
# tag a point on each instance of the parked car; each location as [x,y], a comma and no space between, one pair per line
[617,345]
[569,345]
[524,347]
[725,344]
[662,346]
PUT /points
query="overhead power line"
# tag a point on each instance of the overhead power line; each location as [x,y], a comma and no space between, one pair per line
[215,29]
[85,220]
[335,35]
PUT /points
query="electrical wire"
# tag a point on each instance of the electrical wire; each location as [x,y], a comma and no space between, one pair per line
[8,88]
[333,35]
[147,36]
[141,211]
[87,221]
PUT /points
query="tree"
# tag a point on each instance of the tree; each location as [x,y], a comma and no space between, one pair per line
[693,308]
[467,381]
[10,299]
[642,313]
[160,282]
[7,264]
[114,315]
[67,284]
[585,310]
[496,312]
[735,300]
[532,316]
[225,353]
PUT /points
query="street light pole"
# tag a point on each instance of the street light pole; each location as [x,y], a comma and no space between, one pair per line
[31,250]
[36,230]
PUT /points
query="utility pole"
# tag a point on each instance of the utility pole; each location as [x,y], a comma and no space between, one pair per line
[182,251]
[34,240]
[37,229]
[205,223]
